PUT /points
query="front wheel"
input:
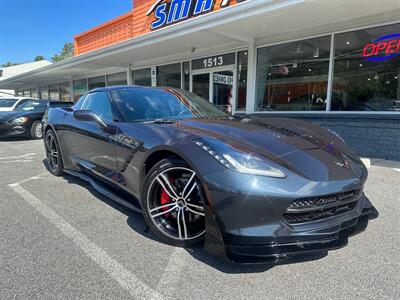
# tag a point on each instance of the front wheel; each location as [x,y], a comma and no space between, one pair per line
[173,203]
[37,130]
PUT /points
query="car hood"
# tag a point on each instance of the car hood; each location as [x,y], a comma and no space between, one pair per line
[304,148]
[6,116]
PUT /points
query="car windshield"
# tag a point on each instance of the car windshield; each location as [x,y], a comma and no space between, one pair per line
[150,104]
[7,102]
[29,105]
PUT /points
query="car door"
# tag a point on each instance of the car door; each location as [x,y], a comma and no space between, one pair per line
[93,147]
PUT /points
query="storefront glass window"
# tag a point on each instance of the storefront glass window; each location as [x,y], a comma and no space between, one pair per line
[169,75]
[44,92]
[186,75]
[96,82]
[80,87]
[367,70]
[242,63]
[293,76]
[117,79]
[65,91]
[142,77]
[54,92]
[27,93]
[19,94]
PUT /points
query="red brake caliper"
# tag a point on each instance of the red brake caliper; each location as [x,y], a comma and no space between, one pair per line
[165,198]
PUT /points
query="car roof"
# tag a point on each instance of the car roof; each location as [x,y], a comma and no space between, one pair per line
[20,98]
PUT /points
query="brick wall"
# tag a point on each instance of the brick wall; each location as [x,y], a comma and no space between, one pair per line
[129,25]
[374,136]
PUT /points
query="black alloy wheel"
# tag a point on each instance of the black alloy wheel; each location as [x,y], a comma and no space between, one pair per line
[53,154]
[37,130]
[173,203]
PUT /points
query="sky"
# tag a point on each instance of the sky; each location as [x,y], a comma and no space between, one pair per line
[41,27]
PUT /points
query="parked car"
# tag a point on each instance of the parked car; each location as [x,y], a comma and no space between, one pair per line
[262,188]
[10,103]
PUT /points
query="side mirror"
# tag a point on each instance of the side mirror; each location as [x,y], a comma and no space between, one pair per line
[90,116]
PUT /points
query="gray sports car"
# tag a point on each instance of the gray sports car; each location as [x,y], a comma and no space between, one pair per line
[260,188]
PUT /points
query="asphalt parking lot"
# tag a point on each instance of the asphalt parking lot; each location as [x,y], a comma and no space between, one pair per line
[61,239]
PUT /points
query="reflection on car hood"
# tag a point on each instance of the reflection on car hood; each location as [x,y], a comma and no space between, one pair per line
[303,147]
[275,136]
[6,116]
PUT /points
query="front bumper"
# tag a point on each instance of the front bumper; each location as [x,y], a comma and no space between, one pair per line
[306,243]
[10,130]
[246,219]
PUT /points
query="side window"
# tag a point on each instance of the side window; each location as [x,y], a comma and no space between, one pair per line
[99,103]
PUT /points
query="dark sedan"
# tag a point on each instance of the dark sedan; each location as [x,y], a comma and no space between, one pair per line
[26,118]
[258,188]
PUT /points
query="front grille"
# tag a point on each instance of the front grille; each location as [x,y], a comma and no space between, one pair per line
[317,208]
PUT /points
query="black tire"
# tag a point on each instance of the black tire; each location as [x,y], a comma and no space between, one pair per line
[37,130]
[53,154]
[163,207]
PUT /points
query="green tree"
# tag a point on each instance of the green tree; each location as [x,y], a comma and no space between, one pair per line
[66,52]
[39,58]
[9,64]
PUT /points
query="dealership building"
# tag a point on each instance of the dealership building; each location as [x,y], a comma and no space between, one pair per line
[335,63]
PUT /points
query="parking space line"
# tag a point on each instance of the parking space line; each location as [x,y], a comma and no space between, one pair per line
[172,273]
[398,170]
[127,280]
[17,157]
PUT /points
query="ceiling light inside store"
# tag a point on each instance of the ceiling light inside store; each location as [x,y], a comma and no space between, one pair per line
[316,52]
[347,43]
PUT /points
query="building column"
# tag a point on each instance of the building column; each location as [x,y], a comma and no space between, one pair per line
[251,79]
[38,92]
[129,78]
[71,89]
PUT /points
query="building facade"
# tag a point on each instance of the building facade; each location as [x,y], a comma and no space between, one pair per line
[336,63]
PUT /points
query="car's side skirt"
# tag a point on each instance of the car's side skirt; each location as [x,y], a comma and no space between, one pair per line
[104,191]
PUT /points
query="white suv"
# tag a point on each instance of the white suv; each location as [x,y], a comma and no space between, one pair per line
[9,103]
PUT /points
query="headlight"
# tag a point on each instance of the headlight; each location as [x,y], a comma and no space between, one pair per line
[19,121]
[239,161]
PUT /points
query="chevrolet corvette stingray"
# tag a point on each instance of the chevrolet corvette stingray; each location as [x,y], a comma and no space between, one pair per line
[257,188]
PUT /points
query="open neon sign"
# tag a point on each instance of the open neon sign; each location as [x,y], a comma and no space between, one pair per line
[385,47]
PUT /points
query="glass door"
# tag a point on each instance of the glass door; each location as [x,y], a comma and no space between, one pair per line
[216,85]
[201,85]
[223,90]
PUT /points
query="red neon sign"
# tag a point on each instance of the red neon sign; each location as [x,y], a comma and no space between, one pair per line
[385,47]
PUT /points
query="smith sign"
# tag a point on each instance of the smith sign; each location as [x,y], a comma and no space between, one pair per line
[167,13]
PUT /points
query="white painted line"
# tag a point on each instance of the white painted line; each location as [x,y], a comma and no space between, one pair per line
[172,273]
[398,170]
[29,179]
[127,280]
[15,161]
[17,157]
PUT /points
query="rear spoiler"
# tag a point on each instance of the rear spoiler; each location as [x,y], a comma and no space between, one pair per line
[53,104]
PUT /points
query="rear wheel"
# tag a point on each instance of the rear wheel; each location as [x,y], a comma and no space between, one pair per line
[173,203]
[53,154]
[37,130]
